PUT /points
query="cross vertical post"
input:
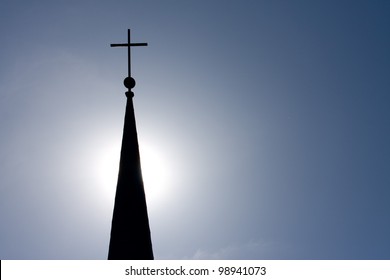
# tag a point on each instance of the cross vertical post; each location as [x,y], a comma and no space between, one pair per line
[128,54]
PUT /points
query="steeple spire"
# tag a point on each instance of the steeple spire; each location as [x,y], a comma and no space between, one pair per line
[130,232]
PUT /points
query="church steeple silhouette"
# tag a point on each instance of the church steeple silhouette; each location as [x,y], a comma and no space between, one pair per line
[130,232]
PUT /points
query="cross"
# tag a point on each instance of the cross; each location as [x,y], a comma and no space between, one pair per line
[128,45]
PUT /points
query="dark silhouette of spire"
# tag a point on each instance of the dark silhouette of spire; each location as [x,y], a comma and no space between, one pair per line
[130,232]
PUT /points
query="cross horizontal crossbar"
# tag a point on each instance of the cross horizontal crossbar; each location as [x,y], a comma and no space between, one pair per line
[131,45]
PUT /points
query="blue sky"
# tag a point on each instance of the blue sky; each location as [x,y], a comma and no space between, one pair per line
[264,124]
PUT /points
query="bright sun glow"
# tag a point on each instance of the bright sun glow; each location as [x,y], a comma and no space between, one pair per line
[107,170]
[155,172]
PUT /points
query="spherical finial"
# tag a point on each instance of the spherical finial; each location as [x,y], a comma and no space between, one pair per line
[129,82]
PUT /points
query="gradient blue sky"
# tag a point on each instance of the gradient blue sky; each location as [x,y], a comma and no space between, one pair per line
[269,120]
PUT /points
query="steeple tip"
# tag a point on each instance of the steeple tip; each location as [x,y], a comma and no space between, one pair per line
[129,82]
